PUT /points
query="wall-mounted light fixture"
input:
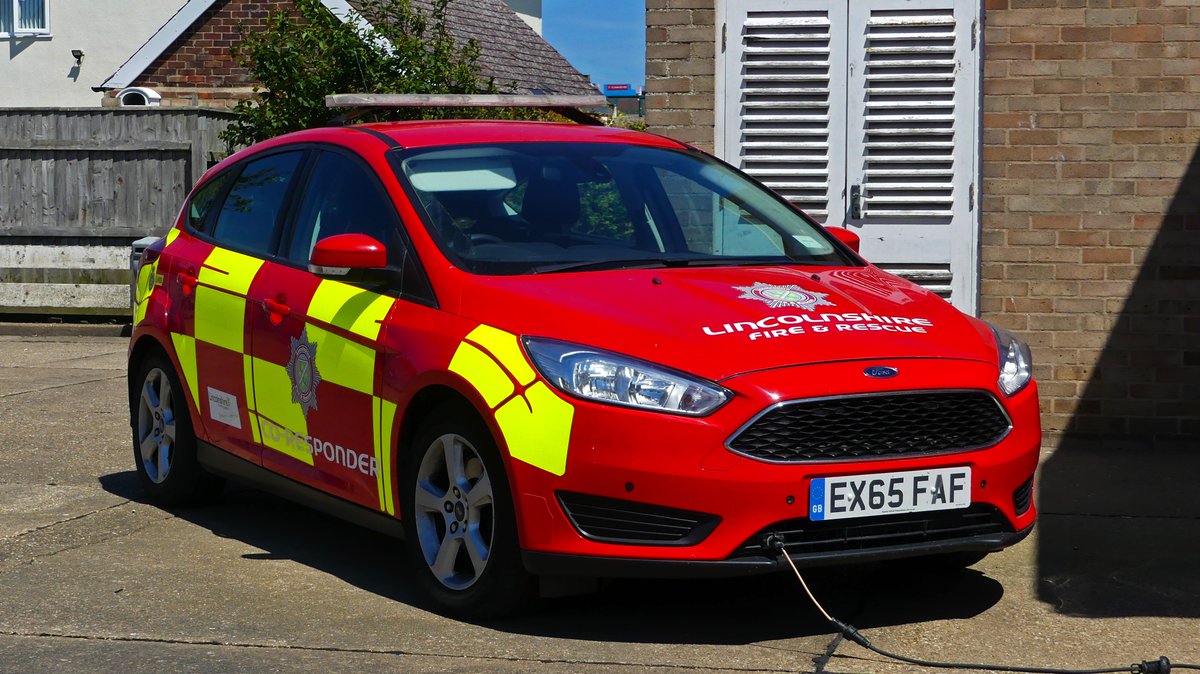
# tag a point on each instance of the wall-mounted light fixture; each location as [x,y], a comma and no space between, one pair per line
[78,54]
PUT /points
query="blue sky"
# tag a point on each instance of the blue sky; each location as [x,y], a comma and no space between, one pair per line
[604,40]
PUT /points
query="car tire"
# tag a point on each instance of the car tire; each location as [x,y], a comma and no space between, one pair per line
[459,521]
[164,442]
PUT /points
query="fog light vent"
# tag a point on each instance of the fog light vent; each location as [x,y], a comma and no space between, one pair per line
[1023,497]
[617,521]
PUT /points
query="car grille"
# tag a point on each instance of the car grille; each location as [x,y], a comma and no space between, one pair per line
[617,521]
[1023,496]
[803,536]
[870,426]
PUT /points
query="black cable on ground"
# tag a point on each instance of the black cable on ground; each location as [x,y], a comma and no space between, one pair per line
[1160,666]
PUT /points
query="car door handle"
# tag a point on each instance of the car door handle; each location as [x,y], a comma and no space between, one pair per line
[188,281]
[278,308]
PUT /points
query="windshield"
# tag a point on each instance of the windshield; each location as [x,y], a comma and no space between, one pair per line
[524,208]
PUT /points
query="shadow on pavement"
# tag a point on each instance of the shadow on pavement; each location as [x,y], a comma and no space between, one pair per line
[124,484]
[763,608]
[1119,533]
[724,611]
[286,531]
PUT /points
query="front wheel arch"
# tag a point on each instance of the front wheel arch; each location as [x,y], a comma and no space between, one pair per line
[504,586]
[438,399]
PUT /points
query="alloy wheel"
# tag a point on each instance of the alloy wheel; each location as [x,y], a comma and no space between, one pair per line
[156,425]
[454,511]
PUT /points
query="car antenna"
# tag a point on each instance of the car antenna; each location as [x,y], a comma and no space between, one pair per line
[572,107]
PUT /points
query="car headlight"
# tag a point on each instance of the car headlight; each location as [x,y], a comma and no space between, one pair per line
[620,380]
[1016,363]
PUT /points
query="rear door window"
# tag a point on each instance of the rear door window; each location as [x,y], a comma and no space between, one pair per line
[252,212]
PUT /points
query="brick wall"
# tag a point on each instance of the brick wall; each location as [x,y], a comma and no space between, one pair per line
[1090,197]
[1091,210]
[681,41]
[199,69]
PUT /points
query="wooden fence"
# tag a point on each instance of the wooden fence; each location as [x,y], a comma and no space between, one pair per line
[77,186]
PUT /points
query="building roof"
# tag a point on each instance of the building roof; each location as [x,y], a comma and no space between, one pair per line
[511,52]
[158,43]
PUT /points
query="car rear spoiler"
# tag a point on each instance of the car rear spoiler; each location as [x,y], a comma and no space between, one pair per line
[572,107]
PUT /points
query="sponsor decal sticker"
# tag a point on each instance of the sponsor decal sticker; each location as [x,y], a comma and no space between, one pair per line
[302,371]
[223,407]
[784,296]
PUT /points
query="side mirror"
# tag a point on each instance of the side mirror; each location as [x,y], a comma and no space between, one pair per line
[845,236]
[338,255]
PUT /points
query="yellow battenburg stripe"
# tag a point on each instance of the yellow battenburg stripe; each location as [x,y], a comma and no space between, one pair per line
[220,319]
[383,413]
[254,427]
[228,270]
[185,351]
[225,277]
[492,382]
[343,361]
[537,423]
[537,428]
[145,285]
[503,345]
[248,378]
[387,418]
[172,234]
[349,308]
[380,452]
[277,413]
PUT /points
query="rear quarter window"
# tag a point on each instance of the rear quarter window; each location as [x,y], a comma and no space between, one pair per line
[203,200]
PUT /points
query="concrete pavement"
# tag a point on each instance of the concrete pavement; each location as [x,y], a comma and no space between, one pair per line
[92,578]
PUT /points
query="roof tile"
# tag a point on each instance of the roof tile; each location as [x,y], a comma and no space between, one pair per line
[511,52]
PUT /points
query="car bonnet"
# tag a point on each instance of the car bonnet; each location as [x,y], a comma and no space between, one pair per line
[720,322]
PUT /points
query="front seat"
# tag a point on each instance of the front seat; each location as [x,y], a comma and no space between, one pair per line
[550,206]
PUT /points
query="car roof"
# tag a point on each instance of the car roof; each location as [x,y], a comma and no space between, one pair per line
[436,133]
[433,133]
[453,132]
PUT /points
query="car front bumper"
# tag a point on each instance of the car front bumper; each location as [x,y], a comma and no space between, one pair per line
[550,563]
[682,464]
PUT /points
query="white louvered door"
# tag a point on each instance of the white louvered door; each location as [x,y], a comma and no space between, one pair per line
[864,113]
[789,94]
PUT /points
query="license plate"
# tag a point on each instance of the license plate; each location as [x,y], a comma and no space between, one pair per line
[835,498]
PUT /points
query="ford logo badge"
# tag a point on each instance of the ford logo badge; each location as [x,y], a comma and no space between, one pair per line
[881,372]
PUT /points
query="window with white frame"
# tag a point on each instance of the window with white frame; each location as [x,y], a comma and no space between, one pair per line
[21,18]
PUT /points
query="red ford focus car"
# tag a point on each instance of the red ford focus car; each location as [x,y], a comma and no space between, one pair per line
[556,350]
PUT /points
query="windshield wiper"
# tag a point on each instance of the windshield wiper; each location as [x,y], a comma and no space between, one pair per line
[632,263]
[656,262]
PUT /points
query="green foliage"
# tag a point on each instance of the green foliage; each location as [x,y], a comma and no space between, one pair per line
[602,213]
[624,121]
[298,61]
